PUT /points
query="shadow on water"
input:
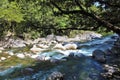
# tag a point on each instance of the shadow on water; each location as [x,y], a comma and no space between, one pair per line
[83,68]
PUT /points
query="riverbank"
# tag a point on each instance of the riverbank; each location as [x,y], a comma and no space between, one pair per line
[31,48]
[112,65]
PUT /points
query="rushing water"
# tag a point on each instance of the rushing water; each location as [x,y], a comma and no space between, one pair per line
[73,68]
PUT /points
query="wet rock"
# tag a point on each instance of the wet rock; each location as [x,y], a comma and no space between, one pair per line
[76,55]
[42,58]
[70,46]
[10,53]
[59,46]
[27,71]
[3,58]
[71,55]
[56,76]
[99,56]
[108,52]
[115,50]
[111,71]
[54,60]
[115,36]
[35,49]
[79,55]
[20,55]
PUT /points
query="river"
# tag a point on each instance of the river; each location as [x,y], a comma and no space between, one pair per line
[78,67]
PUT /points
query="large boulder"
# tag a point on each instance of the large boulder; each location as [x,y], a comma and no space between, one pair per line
[99,56]
[35,49]
[20,55]
[70,46]
[3,58]
[55,76]
[59,46]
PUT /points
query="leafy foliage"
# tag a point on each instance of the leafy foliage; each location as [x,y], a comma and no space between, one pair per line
[42,17]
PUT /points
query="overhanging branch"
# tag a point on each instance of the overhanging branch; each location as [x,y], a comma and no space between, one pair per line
[93,16]
[56,6]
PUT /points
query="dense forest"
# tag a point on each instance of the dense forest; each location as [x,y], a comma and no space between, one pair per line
[42,17]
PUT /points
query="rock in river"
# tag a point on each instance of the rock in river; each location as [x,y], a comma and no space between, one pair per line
[35,49]
[59,46]
[3,58]
[55,76]
[99,55]
[70,46]
[20,55]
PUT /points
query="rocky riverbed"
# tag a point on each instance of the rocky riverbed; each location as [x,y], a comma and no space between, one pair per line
[61,58]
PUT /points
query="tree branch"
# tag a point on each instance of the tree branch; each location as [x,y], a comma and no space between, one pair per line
[76,1]
[56,6]
[93,16]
